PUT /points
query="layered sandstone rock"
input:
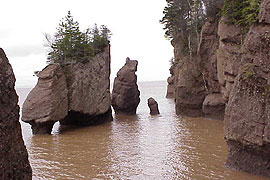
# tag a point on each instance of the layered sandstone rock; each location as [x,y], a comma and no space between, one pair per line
[74,94]
[14,162]
[247,117]
[89,100]
[47,102]
[153,106]
[228,55]
[213,105]
[190,89]
[125,94]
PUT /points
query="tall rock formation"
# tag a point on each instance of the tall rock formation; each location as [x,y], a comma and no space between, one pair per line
[188,83]
[125,94]
[190,89]
[213,105]
[47,102]
[77,94]
[89,99]
[247,117]
[14,162]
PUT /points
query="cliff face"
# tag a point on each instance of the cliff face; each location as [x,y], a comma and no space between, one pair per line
[202,84]
[14,162]
[89,90]
[213,104]
[189,87]
[247,125]
[75,94]
[228,55]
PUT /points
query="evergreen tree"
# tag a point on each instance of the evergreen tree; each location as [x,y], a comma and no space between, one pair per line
[186,17]
[70,45]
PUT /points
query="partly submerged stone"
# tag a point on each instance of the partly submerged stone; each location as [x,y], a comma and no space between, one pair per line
[14,162]
[125,94]
[47,102]
[153,106]
[214,106]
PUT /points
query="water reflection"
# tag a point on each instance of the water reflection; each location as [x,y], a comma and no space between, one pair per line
[139,147]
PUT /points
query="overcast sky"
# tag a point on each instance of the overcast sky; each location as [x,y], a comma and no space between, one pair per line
[135,25]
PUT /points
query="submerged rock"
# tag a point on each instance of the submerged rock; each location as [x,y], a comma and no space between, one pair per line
[214,106]
[153,106]
[247,125]
[125,94]
[14,162]
[47,102]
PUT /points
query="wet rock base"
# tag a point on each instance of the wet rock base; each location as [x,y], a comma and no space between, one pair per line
[249,158]
[81,119]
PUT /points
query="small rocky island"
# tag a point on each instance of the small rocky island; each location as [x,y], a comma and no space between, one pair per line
[75,87]
[74,94]
[14,162]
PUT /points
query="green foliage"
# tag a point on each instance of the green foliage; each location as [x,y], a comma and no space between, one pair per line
[242,12]
[70,45]
[186,18]
[248,71]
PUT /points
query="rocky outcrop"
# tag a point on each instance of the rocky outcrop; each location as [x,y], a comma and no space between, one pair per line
[247,125]
[153,106]
[213,105]
[14,162]
[47,102]
[228,55]
[76,94]
[207,50]
[190,89]
[125,94]
[170,86]
[89,91]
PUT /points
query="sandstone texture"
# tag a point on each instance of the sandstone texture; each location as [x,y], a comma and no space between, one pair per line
[125,94]
[170,86]
[14,162]
[228,55]
[190,90]
[213,105]
[153,106]
[207,50]
[247,116]
[74,94]
[47,102]
[89,91]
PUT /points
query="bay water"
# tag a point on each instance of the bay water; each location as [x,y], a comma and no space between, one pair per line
[138,147]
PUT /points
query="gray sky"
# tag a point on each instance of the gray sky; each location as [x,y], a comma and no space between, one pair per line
[135,26]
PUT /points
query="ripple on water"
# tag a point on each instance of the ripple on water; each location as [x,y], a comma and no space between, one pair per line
[139,147]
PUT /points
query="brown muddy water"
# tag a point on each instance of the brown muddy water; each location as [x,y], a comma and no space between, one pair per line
[139,147]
